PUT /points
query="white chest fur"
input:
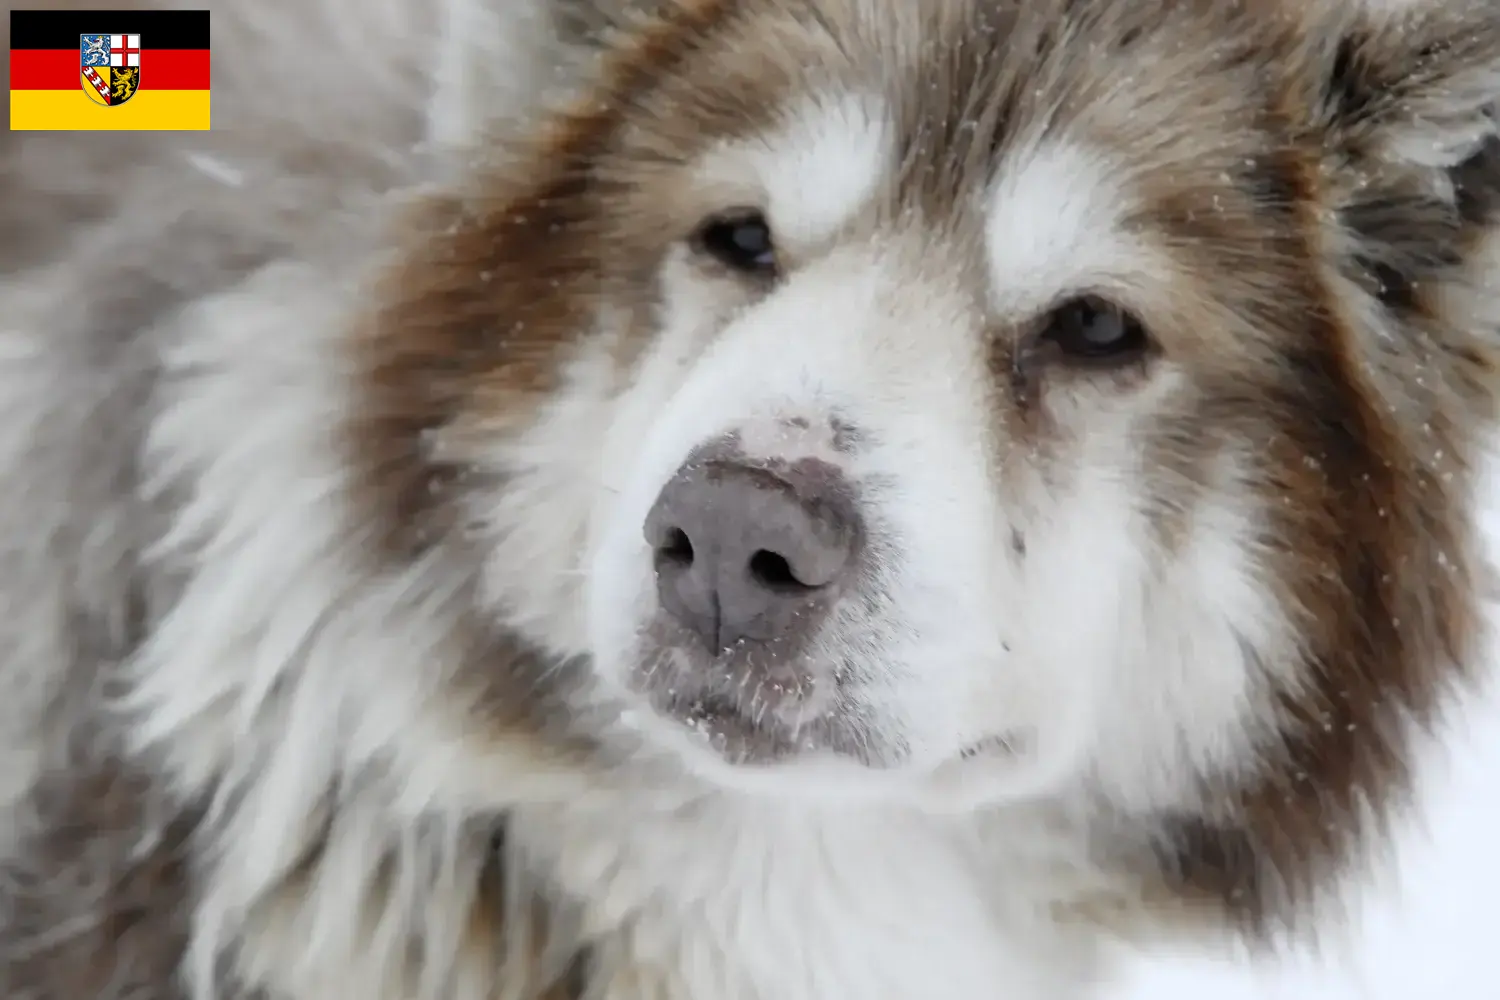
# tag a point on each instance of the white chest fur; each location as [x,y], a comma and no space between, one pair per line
[735,899]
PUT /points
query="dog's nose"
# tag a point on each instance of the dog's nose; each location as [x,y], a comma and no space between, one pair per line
[745,555]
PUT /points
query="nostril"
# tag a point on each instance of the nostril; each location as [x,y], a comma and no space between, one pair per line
[676,549]
[773,572]
[742,553]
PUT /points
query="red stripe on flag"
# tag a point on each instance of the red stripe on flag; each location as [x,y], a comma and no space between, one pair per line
[60,69]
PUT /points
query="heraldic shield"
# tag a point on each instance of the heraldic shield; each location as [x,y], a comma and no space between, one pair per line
[111,67]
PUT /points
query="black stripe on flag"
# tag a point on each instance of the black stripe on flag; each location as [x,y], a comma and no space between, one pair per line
[59,29]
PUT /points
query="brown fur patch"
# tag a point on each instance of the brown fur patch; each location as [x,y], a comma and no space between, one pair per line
[496,289]
[129,890]
[1377,549]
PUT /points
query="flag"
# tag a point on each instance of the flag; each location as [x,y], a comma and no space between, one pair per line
[109,70]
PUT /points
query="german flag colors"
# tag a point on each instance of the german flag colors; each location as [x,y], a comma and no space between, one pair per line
[109,70]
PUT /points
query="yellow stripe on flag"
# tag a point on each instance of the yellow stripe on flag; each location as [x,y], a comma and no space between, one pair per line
[73,110]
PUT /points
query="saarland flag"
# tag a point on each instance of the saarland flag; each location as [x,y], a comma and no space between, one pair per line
[109,70]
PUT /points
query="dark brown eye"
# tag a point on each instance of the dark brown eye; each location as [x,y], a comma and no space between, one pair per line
[1091,330]
[740,240]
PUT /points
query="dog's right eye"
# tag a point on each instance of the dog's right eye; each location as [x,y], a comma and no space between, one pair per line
[1092,331]
[740,240]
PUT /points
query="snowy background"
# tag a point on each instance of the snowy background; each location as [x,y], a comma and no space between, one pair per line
[1431,935]
[1435,939]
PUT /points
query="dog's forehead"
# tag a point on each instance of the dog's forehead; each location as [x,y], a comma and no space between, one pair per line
[1045,214]
[1035,134]
[1034,217]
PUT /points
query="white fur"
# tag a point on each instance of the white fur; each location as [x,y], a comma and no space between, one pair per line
[1053,226]
[815,172]
[739,898]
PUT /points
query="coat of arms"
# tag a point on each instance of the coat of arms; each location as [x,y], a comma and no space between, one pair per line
[111,67]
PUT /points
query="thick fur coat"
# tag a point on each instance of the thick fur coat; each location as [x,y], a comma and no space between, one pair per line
[335,661]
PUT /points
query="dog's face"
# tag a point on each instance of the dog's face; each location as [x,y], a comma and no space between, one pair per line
[954,404]
[914,486]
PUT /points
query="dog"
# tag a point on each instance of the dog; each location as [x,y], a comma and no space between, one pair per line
[739,499]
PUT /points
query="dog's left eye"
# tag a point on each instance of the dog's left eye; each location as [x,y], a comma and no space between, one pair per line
[740,240]
[1091,330]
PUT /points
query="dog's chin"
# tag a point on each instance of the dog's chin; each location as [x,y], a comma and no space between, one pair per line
[713,753]
[726,747]
[831,760]
[741,721]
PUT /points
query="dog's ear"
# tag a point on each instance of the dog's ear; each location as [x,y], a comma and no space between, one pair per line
[593,22]
[1400,103]
[1404,83]
[495,60]
[499,64]
[502,64]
